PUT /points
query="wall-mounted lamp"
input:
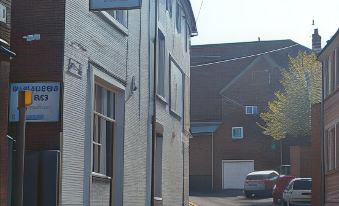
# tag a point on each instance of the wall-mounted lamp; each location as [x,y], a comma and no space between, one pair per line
[133,85]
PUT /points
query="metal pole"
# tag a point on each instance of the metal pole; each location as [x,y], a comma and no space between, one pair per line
[20,150]
[154,119]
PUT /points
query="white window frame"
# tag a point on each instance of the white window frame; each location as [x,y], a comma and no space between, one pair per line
[162,67]
[3,14]
[242,132]
[252,108]
[102,143]
[176,94]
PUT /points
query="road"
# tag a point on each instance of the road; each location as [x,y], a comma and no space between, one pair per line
[228,198]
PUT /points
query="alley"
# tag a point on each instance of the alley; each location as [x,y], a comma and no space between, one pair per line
[228,198]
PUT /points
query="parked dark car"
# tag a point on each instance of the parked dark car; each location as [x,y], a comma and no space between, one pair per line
[260,183]
[279,188]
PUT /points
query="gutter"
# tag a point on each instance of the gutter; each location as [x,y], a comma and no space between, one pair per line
[154,119]
[322,175]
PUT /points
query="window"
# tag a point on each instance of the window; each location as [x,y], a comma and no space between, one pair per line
[158,168]
[161,65]
[176,89]
[326,78]
[251,109]
[103,130]
[120,15]
[169,8]
[330,149]
[237,133]
[332,60]
[337,66]
[186,37]
[178,18]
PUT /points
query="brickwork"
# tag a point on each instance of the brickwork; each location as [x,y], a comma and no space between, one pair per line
[5,29]
[4,80]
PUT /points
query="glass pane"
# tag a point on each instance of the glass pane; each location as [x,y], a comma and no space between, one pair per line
[98,97]
[96,158]
[96,130]
[109,147]
[110,104]
[302,185]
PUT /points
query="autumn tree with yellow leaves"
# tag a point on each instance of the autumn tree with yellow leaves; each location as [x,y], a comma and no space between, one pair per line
[289,114]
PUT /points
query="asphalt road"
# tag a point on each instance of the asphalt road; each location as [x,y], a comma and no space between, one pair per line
[228,198]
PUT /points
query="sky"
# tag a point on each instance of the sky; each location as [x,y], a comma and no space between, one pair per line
[226,21]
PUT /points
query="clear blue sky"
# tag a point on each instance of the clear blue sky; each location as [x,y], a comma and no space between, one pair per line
[223,21]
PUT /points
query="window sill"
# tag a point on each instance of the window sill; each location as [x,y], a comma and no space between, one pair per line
[161,99]
[110,20]
[101,176]
[331,172]
[158,198]
[176,115]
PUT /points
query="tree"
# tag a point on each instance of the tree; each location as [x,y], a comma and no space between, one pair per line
[290,111]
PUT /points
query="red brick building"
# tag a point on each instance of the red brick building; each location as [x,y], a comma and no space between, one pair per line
[5,56]
[231,85]
[329,57]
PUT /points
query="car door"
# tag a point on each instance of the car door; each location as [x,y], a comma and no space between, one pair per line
[287,192]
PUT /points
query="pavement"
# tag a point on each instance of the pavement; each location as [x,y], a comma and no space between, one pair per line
[228,198]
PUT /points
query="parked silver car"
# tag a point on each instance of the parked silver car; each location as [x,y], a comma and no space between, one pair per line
[260,183]
[298,192]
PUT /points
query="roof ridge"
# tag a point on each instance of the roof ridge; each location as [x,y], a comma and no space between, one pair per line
[246,42]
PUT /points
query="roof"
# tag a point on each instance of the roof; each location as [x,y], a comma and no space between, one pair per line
[329,42]
[265,172]
[208,80]
[204,127]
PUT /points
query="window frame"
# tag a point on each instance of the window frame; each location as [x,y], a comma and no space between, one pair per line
[331,149]
[178,18]
[242,133]
[182,102]
[254,110]
[169,7]
[161,77]
[109,162]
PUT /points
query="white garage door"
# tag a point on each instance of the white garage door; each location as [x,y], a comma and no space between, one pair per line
[234,173]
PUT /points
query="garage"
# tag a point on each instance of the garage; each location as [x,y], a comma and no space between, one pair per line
[234,173]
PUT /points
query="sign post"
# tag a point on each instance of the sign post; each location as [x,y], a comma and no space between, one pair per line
[24,101]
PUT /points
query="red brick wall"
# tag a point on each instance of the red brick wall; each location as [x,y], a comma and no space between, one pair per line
[4,74]
[200,155]
[38,60]
[255,146]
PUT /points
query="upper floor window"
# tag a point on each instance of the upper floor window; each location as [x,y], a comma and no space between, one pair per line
[331,149]
[120,15]
[3,13]
[178,17]
[237,132]
[251,109]
[169,6]
[161,65]
[176,89]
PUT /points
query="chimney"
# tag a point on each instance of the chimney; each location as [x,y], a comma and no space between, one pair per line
[316,41]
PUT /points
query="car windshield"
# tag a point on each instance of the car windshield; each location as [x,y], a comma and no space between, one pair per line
[302,185]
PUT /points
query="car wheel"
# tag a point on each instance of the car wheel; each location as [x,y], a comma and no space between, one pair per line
[276,201]
[248,195]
